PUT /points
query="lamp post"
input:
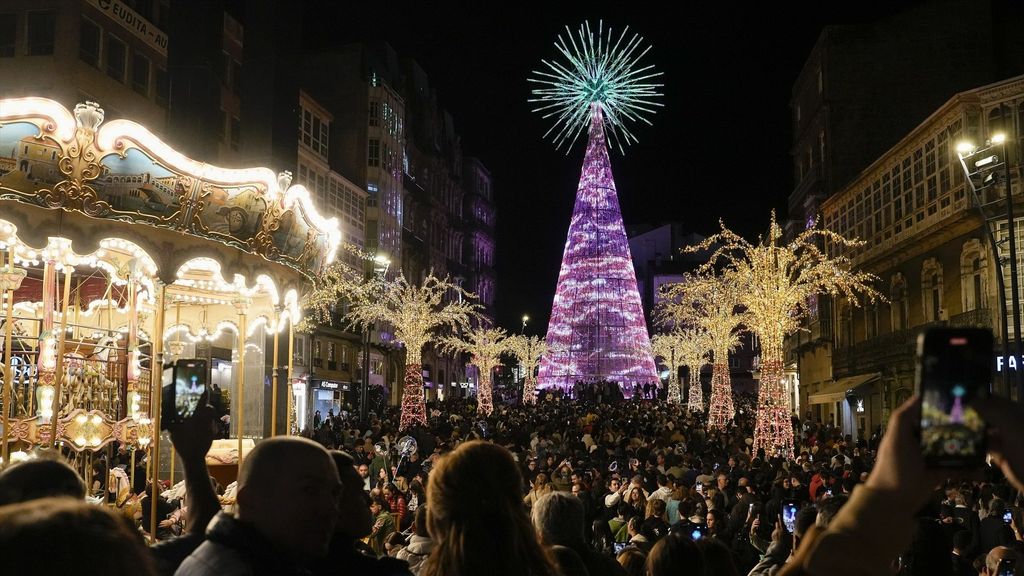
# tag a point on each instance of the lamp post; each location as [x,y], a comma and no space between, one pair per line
[981,168]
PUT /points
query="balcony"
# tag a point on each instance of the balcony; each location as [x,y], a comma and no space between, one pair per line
[978,318]
[874,355]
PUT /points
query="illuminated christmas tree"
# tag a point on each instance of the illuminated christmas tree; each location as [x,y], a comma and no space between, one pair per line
[597,329]
[528,350]
[485,347]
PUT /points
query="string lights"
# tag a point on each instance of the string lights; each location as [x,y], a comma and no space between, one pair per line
[417,313]
[708,304]
[528,350]
[775,281]
[485,347]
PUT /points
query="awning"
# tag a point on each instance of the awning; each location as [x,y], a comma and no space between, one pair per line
[836,390]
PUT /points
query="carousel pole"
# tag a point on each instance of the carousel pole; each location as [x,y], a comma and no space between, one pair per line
[242,305]
[288,379]
[68,270]
[11,282]
[156,364]
[273,386]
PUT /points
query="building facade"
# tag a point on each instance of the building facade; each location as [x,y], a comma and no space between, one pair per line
[926,242]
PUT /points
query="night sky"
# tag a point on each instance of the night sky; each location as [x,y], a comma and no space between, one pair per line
[719,147]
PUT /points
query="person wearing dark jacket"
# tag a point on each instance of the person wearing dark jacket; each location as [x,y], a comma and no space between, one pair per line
[286,511]
[992,530]
[558,519]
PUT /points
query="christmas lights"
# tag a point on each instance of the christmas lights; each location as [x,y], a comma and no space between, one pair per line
[597,329]
[485,347]
[416,313]
[528,350]
[667,347]
[775,281]
[708,304]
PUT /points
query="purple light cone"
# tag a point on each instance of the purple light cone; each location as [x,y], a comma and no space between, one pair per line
[597,329]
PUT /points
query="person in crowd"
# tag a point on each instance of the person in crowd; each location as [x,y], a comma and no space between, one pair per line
[396,503]
[420,544]
[539,488]
[998,555]
[676,555]
[39,478]
[637,539]
[270,534]
[65,535]
[476,517]
[559,520]
[633,561]
[992,529]
[347,553]
[961,548]
[383,523]
[655,525]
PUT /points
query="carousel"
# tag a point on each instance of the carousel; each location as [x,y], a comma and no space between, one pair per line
[123,261]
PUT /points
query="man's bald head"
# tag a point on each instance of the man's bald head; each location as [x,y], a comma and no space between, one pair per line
[288,490]
[40,478]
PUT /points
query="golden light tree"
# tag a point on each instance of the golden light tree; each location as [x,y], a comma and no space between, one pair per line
[337,283]
[708,303]
[667,346]
[416,313]
[695,348]
[485,347]
[775,280]
[528,350]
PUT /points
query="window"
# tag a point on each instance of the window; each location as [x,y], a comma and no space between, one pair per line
[870,321]
[236,133]
[898,303]
[821,82]
[374,113]
[374,152]
[89,43]
[41,33]
[116,55]
[222,126]
[8,28]
[140,74]
[931,290]
[300,351]
[163,87]
[236,76]
[314,132]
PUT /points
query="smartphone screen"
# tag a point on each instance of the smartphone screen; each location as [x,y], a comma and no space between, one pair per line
[954,367]
[698,531]
[1008,516]
[1007,567]
[189,386]
[619,546]
[167,396]
[789,510]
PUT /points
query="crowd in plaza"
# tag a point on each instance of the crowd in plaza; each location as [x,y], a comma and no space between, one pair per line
[564,487]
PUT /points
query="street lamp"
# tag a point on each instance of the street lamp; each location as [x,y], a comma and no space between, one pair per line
[525,320]
[380,264]
[981,169]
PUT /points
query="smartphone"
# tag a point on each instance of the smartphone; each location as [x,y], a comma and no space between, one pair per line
[954,367]
[698,531]
[1008,516]
[619,547]
[1007,567]
[184,387]
[789,510]
[700,488]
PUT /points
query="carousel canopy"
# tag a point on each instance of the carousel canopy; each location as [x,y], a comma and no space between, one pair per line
[120,172]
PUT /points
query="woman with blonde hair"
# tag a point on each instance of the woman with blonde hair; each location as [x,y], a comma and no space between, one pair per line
[476,517]
[540,487]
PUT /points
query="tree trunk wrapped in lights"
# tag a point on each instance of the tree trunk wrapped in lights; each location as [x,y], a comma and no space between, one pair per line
[528,350]
[416,313]
[694,346]
[775,280]
[485,347]
[708,304]
[667,347]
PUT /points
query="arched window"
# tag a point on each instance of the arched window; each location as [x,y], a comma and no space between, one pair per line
[973,276]
[899,307]
[931,290]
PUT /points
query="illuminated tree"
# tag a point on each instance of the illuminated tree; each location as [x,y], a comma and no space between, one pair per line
[485,347]
[695,348]
[528,350]
[417,314]
[336,283]
[597,329]
[775,280]
[708,303]
[668,348]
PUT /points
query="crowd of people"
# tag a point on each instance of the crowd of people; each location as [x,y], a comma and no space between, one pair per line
[566,487]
